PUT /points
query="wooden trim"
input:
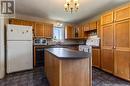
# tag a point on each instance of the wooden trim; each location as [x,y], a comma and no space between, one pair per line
[34,56]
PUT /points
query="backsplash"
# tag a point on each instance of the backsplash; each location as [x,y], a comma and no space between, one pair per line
[53,42]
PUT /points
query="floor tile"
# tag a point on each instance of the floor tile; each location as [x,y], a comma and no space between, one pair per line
[37,77]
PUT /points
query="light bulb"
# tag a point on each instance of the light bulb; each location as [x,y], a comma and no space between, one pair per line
[65,5]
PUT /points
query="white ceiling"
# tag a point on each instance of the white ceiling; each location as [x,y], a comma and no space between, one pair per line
[53,9]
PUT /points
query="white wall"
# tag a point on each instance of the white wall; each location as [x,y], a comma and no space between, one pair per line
[2,57]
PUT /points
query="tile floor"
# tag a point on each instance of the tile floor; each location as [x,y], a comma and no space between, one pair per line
[101,78]
[36,77]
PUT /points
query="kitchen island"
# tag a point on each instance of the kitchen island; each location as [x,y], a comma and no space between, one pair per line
[65,67]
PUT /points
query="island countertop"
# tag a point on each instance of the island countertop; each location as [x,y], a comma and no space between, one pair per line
[64,53]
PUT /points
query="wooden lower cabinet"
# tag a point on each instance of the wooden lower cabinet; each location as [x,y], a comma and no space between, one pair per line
[122,49]
[67,72]
[107,60]
[96,57]
[52,69]
[122,64]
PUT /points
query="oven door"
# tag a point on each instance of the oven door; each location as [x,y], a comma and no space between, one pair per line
[39,57]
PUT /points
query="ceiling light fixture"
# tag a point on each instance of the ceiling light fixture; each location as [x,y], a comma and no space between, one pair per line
[71,5]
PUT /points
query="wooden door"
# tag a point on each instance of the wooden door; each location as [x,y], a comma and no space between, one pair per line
[86,27]
[93,25]
[96,57]
[39,30]
[69,32]
[81,31]
[122,49]
[48,30]
[122,13]
[107,62]
[98,29]
[107,18]
[15,21]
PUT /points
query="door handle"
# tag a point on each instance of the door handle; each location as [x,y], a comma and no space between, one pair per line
[114,47]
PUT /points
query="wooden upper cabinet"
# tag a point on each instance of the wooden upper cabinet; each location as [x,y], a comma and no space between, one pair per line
[107,18]
[93,25]
[122,49]
[122,13]
[69,32]
[22,22]
[96,57]
[81,31]
[98,29]
[39,30]
[48,30]
[107,59]
[15,21]
[86,27]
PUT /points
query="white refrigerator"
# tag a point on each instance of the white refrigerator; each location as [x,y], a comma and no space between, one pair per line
[19,48]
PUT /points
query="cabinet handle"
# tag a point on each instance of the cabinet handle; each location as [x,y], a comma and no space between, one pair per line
[114,47]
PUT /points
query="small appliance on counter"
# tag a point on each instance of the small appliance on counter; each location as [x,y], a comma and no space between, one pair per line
[40,41]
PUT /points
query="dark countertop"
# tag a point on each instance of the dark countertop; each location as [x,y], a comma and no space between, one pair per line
[57,46]
[64,53]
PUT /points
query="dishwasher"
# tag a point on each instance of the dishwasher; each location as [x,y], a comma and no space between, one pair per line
[39,56]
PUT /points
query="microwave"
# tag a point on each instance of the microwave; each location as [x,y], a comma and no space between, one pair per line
[40,41]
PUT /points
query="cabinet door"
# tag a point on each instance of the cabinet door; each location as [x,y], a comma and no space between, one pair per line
[81,31]
[107,62]
[48,30]
[96,57]
[107,18]
[93,25]
[39,30]
[98,29]
[15,21]
[122,49]
[69,32]
[86,27]
[122,13]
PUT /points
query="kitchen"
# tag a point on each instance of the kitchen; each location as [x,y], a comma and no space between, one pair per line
[57,46]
